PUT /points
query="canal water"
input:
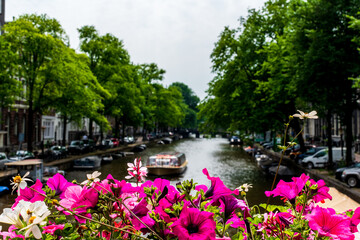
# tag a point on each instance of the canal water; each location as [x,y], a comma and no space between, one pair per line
[231,163]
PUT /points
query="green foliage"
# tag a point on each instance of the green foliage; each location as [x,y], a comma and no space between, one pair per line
[284,56]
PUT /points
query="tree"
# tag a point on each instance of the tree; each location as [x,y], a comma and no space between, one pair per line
[38,42]
[110,63]
[192,101]
[10,87]
[327,58]
[149,76]
[77,93]
[170,108]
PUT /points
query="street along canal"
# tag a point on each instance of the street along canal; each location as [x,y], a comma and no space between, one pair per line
[230,163]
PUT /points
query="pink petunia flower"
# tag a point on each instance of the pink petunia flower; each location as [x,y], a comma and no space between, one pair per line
[329,224]
[229,204]
[141,211]
[79,199]
[50,229]
[322,191]
[289,190]
[217,188]
[11,233]
[194,224]
[59,184]
[355,220]
[160,184]
[28,194]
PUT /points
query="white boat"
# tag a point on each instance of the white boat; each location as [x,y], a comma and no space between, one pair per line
[107,158]
[88,162]
[167,163]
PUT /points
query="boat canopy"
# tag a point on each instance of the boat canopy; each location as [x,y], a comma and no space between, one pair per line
[167,159]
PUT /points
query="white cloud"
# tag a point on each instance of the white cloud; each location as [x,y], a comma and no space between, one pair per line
[177,35]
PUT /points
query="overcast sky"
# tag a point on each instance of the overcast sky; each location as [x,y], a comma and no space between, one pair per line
[177,35]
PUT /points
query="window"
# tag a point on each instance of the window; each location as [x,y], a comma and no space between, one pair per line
[48,128]
[321,154]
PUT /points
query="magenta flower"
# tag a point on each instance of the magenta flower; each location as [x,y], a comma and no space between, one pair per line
[28,194]
[355,220]
[11,233]
[289,190]
[194,224]
[160,184]
[217,188]
[322,191]
[116,186]
[229,204]
[50,229]
[274,223]
[329,224]
[141,211]
[59,184]
[79,199]
[236,222]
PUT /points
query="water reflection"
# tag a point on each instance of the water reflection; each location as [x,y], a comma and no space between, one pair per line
[230,163]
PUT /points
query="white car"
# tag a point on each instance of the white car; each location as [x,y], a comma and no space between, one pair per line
[320,159]
[22,155]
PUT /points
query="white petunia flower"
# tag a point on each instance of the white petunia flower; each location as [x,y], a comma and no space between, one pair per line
[34,215]
[245,187]
[92,178]
[12,217]
[19,182]
[303,115]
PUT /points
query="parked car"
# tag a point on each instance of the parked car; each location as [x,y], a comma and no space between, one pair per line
[268,145]
[57,152]
[339,171]
[89,145]
[320,159]
[3,159]
[309,152]
[76,147]
[351,176]
[235,140]
[115,141]
[106,143]
[129,140]
[22,155]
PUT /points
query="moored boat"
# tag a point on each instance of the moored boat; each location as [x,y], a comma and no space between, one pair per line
[167,163]
[33,166]
[87,162]
[107,158]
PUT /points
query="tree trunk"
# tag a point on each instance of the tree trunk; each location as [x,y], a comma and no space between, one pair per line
[348,135]
[117,130]
[144,135]
[329,142]
[90,129]
[30,127]
[123,132]
[64,130]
